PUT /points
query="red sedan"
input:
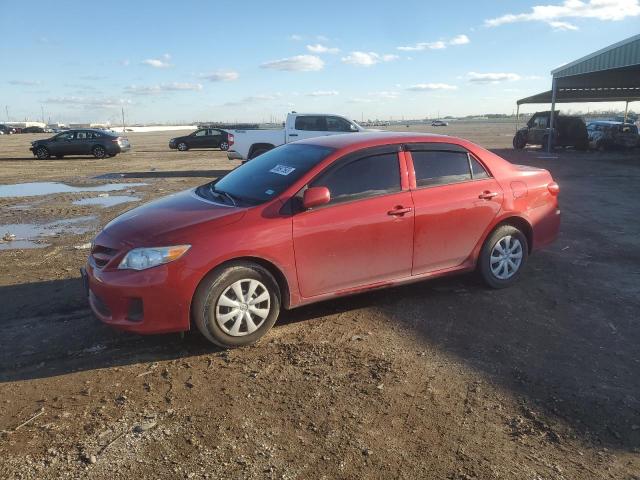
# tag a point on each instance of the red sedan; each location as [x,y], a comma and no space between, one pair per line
[313,220]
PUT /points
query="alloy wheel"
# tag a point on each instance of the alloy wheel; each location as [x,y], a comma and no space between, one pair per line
[243,307]
[506,257]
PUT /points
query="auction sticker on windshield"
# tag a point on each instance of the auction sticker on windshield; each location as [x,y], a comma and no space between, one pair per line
[282,170]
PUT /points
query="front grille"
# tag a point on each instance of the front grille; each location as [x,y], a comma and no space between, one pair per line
[102,255]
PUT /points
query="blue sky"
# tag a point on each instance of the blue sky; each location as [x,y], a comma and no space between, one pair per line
[253,61]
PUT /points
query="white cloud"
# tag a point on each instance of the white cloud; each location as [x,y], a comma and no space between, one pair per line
[221,76]
[439,45]
[426,87]
[253,99]
[162,62]
[89,102]
[319,48]
[367,59]
[389,95]
[165,87]
[125,63]
[25,83]
[606,10]
[560,26]
[360,100]
[295,37]
[323,93]
[459,40]
[492,77]
[299,63]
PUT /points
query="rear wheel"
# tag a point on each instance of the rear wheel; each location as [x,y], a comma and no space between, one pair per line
[42,153]
[237,305]
[224,146]
[503,256]
[183,147]
[258,151]
[99,151]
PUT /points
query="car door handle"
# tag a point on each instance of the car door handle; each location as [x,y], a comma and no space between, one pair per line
[399,211]
[293,134]
[487,195]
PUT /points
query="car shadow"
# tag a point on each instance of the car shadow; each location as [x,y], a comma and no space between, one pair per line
[540,351]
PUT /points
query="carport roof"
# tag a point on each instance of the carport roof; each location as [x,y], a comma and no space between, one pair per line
[608,75]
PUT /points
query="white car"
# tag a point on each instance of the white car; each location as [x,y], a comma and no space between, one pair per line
[247,144]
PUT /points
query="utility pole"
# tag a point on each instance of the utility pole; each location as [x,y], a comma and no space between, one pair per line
[42,111]
[123,128]
[6,109]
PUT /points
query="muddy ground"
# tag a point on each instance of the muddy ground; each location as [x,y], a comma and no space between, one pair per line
[438,380]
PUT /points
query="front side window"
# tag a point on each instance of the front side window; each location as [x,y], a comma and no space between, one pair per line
[362,178]
[440,167]
[64,136]
[81,135]
[316,123]
[337,124]
[268,175]
[200,133]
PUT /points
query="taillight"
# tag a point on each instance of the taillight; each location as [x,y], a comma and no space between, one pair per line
[231,139]
[554,188]
[116,140]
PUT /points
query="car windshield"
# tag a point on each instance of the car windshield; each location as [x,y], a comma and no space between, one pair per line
[266,176]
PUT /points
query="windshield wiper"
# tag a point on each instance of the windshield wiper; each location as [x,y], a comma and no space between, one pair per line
[221,193]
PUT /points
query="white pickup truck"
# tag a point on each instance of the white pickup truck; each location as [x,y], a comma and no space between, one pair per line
[247,144]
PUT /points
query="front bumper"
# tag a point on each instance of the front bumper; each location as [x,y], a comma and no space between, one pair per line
[147,302]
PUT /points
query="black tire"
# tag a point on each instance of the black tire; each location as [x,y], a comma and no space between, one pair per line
[258,151]
[183,147]
[99,151]
[519,141]
[488,257]
[224,146]
[43,153]
[59,157]
[206,307]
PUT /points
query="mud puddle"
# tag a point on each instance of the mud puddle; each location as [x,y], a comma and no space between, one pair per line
[108,201]
[34,189]
[33,235]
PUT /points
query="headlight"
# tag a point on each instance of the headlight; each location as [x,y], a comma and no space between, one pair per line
[143,258]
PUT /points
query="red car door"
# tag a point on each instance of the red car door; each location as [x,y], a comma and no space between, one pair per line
[364,235]
[455,200]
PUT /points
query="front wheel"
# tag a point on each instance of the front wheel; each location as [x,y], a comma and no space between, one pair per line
[503,256]
[183,147]
[43,153]
[237,305]
[519,141]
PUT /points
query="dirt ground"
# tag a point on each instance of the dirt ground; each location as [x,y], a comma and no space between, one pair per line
[440,380]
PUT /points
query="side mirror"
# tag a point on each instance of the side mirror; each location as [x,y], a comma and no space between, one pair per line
[315,196]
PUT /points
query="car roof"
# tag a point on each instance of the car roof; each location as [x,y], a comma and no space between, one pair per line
[374,139]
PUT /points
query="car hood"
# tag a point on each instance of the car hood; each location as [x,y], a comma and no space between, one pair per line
[167,218]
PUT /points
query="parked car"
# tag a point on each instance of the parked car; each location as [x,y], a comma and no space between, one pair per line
[7,130]
[439,123]
[98,143]
[33,130]
[314,220]
[607,135]
[248,144]
[569,131]
[202,138]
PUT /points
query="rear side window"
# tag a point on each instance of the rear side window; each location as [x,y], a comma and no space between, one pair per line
[337,124]
[477,170]
[316,123]
[81,135]
[440,168]
[362,178]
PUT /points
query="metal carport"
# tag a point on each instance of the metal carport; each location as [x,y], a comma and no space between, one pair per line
[608,75]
